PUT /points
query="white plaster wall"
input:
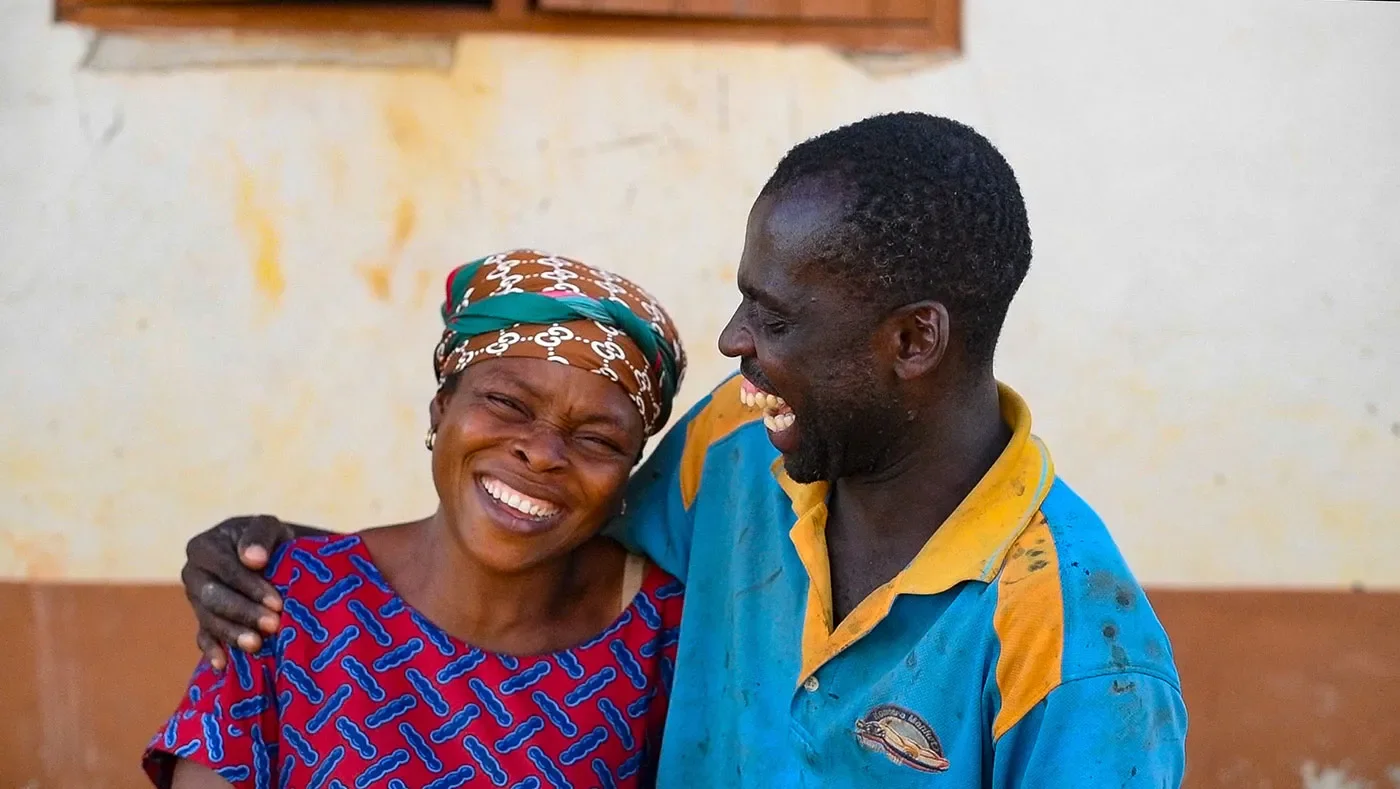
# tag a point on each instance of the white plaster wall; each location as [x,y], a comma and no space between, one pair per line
[218,286]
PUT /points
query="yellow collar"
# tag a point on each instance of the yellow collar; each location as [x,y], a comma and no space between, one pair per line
[970,546]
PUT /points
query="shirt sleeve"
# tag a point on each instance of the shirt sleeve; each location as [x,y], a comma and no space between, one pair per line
[227,721]
[657,521]
[1122,730]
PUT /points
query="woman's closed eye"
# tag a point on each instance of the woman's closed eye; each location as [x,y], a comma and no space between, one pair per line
[508,403]
[601,442]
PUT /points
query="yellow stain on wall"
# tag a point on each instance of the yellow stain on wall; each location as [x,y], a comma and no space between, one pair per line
[422,286]
[257,225]
[37,556]
[405,220]
[435,125]
[34,483]
[338,170]
[405,130]
[380,276]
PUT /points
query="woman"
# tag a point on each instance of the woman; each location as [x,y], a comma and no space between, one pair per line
[500,641]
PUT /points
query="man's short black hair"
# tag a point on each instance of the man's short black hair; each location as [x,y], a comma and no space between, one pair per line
[933,212]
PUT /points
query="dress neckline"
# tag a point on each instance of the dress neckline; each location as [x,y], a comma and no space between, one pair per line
[624,617]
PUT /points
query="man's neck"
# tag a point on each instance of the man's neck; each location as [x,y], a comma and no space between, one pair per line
[879,521]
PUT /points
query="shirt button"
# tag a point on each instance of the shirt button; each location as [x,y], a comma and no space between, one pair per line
[811,684]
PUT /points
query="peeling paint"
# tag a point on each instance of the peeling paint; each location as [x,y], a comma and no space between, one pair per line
[1317,776]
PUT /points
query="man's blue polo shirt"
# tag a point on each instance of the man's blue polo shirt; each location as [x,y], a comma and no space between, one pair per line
[1016,649]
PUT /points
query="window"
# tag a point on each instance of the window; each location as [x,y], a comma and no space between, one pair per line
[904,25]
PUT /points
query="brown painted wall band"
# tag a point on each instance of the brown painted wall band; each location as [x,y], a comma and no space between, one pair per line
[1273,680]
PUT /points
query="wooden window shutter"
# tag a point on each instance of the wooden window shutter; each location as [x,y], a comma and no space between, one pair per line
[786,10]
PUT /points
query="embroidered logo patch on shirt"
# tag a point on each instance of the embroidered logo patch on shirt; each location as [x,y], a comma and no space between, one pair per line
[903,737]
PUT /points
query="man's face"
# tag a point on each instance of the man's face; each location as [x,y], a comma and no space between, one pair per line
[806,344]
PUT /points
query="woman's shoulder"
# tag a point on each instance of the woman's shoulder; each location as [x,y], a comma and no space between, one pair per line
[659,600]
[315,562]
[660,583]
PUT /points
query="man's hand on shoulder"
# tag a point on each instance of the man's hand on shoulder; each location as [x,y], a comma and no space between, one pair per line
[223,580]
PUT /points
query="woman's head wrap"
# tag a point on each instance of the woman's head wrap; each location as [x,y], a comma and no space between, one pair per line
[539,306]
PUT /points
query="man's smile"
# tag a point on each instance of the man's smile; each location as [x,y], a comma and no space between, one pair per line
[777,416]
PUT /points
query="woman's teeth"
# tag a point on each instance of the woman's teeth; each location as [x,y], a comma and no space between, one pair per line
[525,505]
[777,416]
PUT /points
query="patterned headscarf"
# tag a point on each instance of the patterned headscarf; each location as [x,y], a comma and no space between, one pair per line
[540,306]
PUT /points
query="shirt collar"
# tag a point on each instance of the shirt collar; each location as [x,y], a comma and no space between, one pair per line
[972,543]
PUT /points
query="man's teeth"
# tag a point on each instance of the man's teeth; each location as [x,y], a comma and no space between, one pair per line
[779,422]
[763,400]
[525,505]
[776,414]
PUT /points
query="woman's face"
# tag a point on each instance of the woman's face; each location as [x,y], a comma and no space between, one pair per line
[531,458]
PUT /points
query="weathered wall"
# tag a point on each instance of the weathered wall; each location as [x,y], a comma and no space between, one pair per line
[218,289]
[219,285]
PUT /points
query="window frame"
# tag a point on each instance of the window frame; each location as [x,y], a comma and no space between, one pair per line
[941,31]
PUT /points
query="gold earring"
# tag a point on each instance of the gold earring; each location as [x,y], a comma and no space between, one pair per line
[431,438]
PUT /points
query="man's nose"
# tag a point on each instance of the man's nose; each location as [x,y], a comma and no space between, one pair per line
[736,340]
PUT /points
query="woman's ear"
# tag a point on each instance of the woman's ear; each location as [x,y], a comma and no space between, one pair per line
[437,407]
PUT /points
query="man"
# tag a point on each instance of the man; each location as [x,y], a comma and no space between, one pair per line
[887,584]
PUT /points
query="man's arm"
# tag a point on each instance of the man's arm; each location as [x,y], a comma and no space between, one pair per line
[1121,729]
[224,583]
[223,565]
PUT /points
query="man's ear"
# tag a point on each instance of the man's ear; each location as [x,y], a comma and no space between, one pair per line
[918,338]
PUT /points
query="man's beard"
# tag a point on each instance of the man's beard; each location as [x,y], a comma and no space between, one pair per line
[844,437]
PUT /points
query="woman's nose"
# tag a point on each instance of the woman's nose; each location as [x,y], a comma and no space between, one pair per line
[541,450]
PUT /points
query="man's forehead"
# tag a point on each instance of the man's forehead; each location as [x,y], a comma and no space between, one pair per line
[797,216]
[785,231]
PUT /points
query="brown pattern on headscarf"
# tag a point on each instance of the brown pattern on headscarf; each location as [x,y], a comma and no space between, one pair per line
[587,344]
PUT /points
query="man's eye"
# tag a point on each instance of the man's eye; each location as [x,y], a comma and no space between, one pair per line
[771,322]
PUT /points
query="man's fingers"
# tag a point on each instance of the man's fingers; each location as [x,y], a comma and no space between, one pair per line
[212,651]
[261,534]
[223,631]
[256,589]
[211,558]
[212,599]
[260,537]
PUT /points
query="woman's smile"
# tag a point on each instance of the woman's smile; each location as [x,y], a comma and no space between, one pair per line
[515,511]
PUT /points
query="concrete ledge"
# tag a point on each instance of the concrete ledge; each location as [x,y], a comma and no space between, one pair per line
[177,50]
